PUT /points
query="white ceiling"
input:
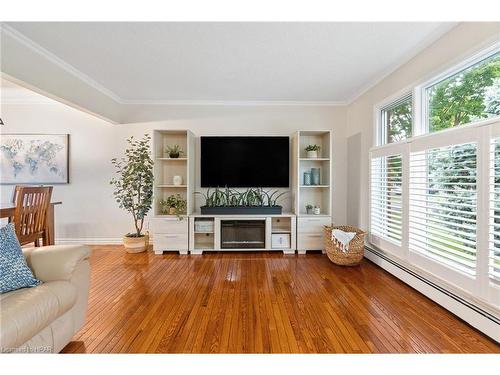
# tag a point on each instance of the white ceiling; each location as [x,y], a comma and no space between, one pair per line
[197,62]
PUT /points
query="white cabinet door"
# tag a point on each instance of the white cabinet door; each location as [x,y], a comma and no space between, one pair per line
[170,225]
[310,241]
[280,241]
[312,224]
[165,242]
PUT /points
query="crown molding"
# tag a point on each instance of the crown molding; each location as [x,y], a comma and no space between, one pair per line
[419,48]
[25,41]
[235,103]
[89,81]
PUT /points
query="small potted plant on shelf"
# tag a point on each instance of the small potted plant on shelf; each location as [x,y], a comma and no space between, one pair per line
[312,151]
[133,185]
[309,209]
[174,151]
[173,205]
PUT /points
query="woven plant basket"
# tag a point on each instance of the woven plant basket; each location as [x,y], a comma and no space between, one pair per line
[356,251]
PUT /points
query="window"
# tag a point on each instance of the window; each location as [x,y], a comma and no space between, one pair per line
[443,200]
[494,222]
[435,198]
[396,121]
[386,203]
[467,96]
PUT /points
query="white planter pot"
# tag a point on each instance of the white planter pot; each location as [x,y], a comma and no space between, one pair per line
[317,210]
[177,180]
[312,154]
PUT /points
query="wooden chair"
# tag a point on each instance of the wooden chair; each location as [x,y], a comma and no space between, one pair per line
[30,217]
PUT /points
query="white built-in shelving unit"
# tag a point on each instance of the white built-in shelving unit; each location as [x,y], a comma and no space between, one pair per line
[170,233]
[315,195]
[310,227]
[287,232]
[166,168]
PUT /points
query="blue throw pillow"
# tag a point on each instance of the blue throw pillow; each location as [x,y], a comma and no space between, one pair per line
[14,271]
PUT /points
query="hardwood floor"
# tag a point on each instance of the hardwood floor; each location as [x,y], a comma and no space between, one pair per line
[260,303]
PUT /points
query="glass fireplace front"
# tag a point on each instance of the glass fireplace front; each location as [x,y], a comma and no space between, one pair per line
[243,234]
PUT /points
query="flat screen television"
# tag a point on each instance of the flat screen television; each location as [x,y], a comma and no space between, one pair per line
[245,161]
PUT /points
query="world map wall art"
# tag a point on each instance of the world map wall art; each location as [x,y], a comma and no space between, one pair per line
[34,158]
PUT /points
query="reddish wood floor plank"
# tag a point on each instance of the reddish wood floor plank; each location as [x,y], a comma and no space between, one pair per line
[260,303]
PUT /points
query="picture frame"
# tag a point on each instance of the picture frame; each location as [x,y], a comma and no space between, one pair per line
[34,159]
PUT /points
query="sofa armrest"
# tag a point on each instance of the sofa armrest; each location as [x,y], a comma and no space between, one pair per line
[51,263]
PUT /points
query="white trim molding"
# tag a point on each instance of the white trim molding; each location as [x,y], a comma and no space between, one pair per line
[16,35]
[90,241]
[480,317]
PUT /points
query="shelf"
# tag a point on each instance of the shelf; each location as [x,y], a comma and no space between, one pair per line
[171,186]
[314,159]
[172,159]
[278,231]
[313,215]
[314,186]
[198,232]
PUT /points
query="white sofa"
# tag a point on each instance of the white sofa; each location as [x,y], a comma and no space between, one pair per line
[45,318]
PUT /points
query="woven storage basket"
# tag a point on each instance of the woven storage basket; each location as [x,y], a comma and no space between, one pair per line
[351,257]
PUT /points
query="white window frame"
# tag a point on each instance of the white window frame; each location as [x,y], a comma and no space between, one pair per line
[380,130]
[421,110]
[383,243]
[429,263]
[481,131]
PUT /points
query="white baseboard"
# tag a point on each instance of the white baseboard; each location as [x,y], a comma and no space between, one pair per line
[477,317]
[90,241]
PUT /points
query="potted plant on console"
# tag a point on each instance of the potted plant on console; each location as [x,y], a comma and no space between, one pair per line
[228,201]
[173,205]
[312,151]
[133,189]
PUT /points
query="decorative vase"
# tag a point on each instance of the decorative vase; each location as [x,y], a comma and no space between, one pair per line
[177,180]
[136,244]
[312,154]
[309,211]
[171,210]
[174,155]
[317,210]
[315,176]
[307,178]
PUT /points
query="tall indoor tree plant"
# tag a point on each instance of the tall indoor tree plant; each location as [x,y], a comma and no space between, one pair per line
[133,188]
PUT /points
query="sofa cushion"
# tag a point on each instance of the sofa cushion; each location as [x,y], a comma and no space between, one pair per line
[25,312]
[14,271]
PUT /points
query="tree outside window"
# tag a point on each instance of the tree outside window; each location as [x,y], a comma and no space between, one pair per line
[396,120]
[470,95]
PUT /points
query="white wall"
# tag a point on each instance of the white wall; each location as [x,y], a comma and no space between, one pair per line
[89,211]
[462,41]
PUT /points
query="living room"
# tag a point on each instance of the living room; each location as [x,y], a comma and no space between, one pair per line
[219,188]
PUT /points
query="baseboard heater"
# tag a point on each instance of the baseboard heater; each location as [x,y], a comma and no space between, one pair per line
[474,315]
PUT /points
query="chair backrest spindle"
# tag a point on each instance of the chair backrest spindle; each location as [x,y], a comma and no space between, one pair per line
[32,204]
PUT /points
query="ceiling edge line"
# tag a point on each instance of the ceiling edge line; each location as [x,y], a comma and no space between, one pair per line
[235,103]
[419,48]
[35,47]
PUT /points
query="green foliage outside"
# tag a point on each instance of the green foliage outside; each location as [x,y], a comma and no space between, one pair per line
[467,96]
[398,121]
[452,199]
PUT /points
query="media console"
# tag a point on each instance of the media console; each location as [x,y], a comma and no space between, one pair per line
[242,233]
[197,233]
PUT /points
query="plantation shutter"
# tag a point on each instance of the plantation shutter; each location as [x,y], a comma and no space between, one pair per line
[386,216]
[443,200]
[494,217]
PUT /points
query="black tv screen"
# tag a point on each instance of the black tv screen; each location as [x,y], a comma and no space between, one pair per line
[245,161]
